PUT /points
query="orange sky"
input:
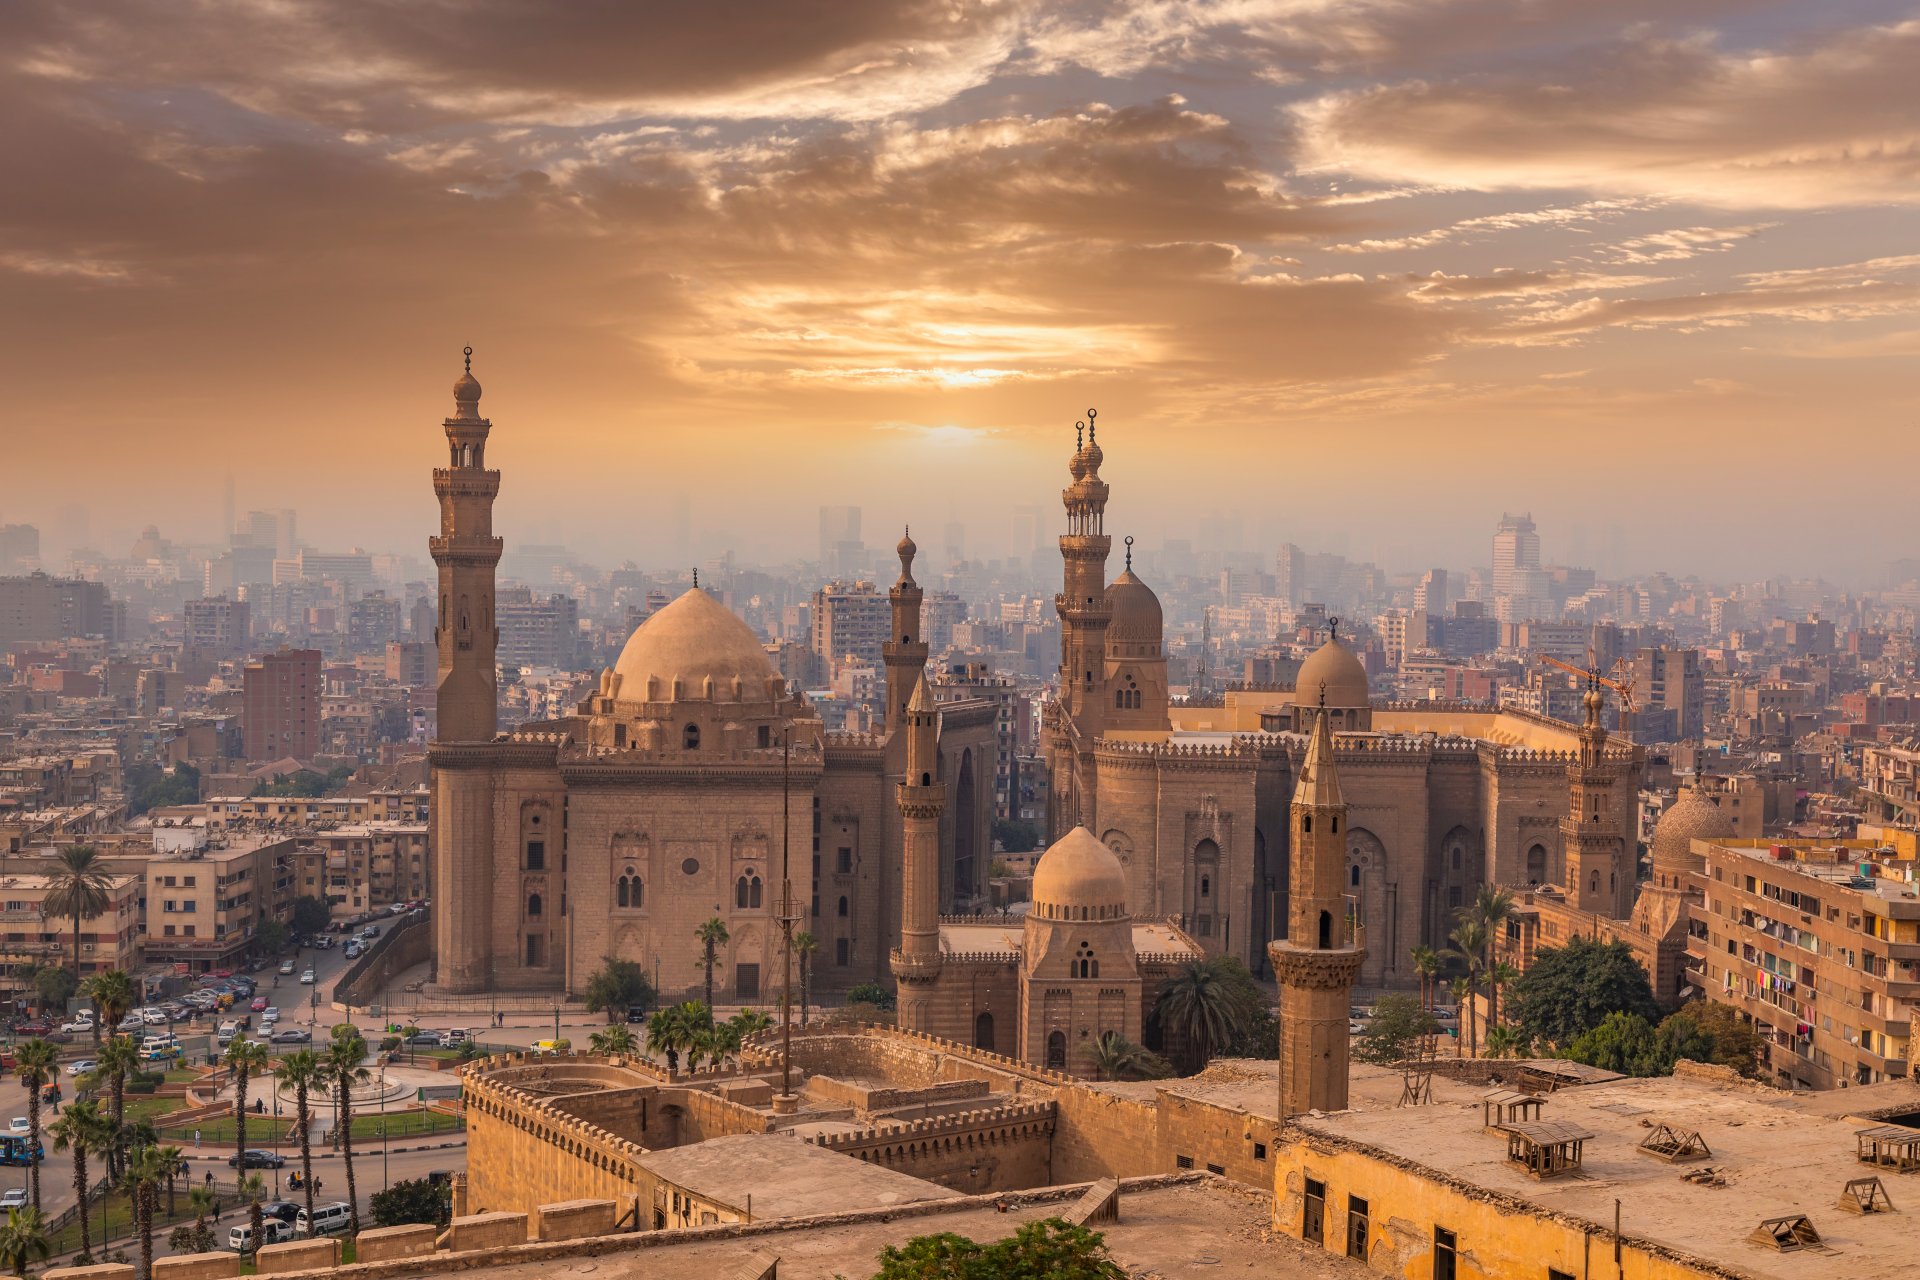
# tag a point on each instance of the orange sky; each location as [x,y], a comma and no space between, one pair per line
[1364,272]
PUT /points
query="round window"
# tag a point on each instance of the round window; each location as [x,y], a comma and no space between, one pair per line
[690,866]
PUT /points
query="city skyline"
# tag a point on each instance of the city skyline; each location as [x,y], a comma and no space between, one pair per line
[1296,253]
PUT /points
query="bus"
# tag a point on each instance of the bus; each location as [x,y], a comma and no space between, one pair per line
[15,1146]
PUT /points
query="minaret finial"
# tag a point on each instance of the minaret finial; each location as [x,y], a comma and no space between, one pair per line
[1079,435]
[1091,415]
[696,577]
[1129,553]
[468,353]
[1333,631]
[1323,695]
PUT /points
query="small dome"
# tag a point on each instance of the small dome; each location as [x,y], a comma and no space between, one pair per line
[1692,817]
[467,389]
[692,640]
[905,548]
[1077,465]
[1136,612]
[1078,878]
[1092,458]
[1334,666]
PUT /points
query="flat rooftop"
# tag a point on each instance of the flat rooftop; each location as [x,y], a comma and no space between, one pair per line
[783,1177]
[1778,1155]
[1203,1230]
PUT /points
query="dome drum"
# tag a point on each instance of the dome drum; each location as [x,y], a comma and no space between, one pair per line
[1079,879]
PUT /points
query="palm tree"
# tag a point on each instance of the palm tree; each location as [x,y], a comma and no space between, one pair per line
[112,993]
[1202,1007]
[172,1156]
[1500,974]
[23,1239]
[749,1022]
[672,1029]
[306,1071]
[35,1061]
[1426,963]
[83,1131]
[1504,1042]
[1469,939]
[1492,907]
[1114,1057]
[616,1040]
[245,1060]
[253,1189]
[146,1172]
[712,935]
[804,945]
[80,890]
[201,1201]
[343,1057]
[119,1060]
[1459,989]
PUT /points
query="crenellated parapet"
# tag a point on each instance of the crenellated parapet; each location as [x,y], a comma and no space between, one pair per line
[897,1142]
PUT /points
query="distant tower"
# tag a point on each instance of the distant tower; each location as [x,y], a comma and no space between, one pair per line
[1597,880]
[467,553]
[1082,603]
[905,651]
[923,797]
[462,831]
[1317,963]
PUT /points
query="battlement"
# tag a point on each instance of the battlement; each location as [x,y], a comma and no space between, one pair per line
[763,1048]
[895,1139]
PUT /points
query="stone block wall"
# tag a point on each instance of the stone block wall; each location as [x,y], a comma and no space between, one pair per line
[380,1244]
[487,1231]
[574,1219]
[973,1152]
[297,1255]
[197,1266]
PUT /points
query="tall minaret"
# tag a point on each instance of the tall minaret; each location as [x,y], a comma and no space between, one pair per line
[1082,603]
[1597,879]
[905,651]
[1317,962]
[923,797]
[467,553]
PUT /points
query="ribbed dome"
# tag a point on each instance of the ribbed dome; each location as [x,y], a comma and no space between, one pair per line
[1334,665]
[1078,878]
[1136,612]
[1692,817]
[692,639]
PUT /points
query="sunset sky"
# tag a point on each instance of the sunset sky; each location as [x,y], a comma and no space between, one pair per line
[1366,272]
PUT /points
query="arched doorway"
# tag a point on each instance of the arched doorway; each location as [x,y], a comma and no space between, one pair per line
[966,829]
[1537,864]
[1367,890]
[983,1032]
[1057,1051]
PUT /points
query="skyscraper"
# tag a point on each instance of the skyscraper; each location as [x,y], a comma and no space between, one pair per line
[282,705]
[1516,549]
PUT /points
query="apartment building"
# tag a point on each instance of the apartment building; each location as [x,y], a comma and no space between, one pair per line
[1818,945]
[358,867]
[205,897]
[29,939]
[282,705]
[386,804]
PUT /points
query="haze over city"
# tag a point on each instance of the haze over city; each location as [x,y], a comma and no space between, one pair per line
[1370,272]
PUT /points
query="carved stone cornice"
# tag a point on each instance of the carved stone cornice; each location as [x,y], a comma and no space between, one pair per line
[1315,970]
[914,970]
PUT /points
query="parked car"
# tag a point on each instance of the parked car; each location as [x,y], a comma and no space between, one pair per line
[371,932]
[240,1238]
[81,1066]
[258,1159]
[13,1198]
[269,1016]
[228,1030]
[154,1017]
[258,1004]
[292,1035]
[132,1022]
[328,1220]
[306,977]
[286,967]
[426,1039]
[19,1124]
[354,951]
[454,1037]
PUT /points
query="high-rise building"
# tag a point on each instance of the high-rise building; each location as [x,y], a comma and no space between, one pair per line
[840,547]
[19,548]
[268,531]
[539,631]
[39,607]
[1670,680]
[850,622]
[1431,594]
[1516,549]
[218,628]
[373,622]
[282,705]
[410,663]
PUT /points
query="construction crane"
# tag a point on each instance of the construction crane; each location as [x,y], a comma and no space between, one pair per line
[1591,674]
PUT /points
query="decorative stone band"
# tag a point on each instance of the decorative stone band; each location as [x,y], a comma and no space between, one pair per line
[1316,970]
[915,969]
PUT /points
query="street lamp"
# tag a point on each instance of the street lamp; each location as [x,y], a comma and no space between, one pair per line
[383,1127]
[556,1022]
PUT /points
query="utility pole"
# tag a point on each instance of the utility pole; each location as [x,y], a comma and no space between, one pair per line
[786,1103]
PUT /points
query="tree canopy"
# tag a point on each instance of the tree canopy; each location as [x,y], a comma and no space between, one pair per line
[1701,1032]
[148,786]
[413,1200]
[1398,1022]
[616,986]
[311,915]
[1045,1250]
[1568,991]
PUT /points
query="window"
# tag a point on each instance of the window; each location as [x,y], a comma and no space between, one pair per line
[842,952]
[1357,1231]
[766,735]
[630,891]
[690,737]
[1084,964]
[533,952]
[746,892]
[536,855]
[1183,1162]
[533,906]
[1313,1217]
[1259,1151]
[1445,1255]
[1216,1168]
[842,912]
[845,864]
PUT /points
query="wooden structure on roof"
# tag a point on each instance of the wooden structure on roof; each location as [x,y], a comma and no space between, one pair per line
[1865,1195]
[1501,1109]
[1546,1148]
[1794,1231]
[1889,1146]
[1098,1203]
[1675,1146]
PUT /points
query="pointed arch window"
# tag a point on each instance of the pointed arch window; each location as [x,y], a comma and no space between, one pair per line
[629,891]
[1085,964]
[746,892]
[690,737]
[533,906]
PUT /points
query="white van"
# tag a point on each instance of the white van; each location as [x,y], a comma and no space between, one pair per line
[240,1238]
[328,1220]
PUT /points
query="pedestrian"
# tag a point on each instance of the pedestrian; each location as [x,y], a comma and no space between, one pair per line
[196,1139]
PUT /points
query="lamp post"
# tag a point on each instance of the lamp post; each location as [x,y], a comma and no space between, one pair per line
[556,1022]
[384,1184]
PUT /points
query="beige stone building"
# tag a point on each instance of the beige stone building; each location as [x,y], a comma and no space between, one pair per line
[689,784]
[205,898]
[29,939]
[1193,799]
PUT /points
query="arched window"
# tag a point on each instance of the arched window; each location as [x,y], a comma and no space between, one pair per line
[1057,1051]
[1084,963]
[1336,824]
[620,892]
[1119,697]
[690,737]
[926,779]
[1536,864]
[628,891]
[1456,857]
[1353,876]
[842,912]
[1326,931]
[1206,886]
[1593,882]
[533,906]
[983,1032]
[753,892]
[1306,823]
[740,894]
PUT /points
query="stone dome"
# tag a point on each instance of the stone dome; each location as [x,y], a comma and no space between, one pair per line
[694,639]
[1078,878]
[1333,665]
[1136,612]
[1692,817]
[467,389]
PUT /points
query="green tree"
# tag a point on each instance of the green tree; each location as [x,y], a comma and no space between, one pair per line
[1623,1042]
[1114,1057]
[23,1239]
[310,916]
[1204,1005]
[146,1172]
[413,1200]
[1568,991]
[150,787]
[253,1189]
[306,1073]
[1469,939]
[1707,1032]
[36,1061]
[1492,908]
[1501,975]
[344,1054]
[671,1030]
[1399,1021]
[80,890]
[1016,835]
[749,1022]
[83,1131]
[245,1060]
[1045,1250]
[712,935]
[804,947]
[871,993]
[55,985]
[616,986]
[113,994]
[616,1040]
[198,1238]
[1426,963]
[1505,1042]
[269,936]
[119,1061]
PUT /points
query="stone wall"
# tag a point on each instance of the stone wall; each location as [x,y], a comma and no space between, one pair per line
[973,1152]
[522,1152]
[406,944]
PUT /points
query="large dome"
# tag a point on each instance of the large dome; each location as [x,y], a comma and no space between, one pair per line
[1078,878]
[1692,817]
[1136,612]
[1334,666]
[692,640]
